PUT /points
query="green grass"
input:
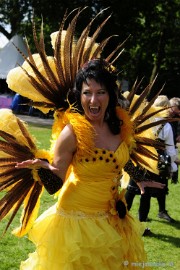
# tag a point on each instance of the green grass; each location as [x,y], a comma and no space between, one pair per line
[42,134]
[162,247]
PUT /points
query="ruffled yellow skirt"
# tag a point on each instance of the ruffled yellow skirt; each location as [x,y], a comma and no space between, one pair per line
[75,241]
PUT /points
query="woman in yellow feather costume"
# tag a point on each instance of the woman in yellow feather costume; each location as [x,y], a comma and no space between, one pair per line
[94,141]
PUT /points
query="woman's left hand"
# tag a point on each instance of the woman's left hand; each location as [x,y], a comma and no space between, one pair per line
[152,184]
[33,164]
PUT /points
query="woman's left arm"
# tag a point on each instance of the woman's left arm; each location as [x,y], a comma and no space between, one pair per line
[139,175]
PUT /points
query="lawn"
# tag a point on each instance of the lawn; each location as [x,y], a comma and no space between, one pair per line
[162,247]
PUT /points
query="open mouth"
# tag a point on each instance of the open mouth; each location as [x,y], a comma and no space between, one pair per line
[94,109]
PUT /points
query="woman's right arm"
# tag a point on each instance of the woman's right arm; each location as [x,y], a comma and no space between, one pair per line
[53,175]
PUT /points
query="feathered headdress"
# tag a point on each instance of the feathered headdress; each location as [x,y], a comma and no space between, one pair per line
[46,80]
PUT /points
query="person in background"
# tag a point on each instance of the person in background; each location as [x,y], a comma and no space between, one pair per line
[165,134]
[16,103]
[175,112]
[19,104]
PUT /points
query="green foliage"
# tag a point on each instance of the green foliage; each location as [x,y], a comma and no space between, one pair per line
[154,26]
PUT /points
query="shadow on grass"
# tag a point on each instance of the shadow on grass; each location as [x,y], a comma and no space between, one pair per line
[167,238]
[175,224]
[175,241]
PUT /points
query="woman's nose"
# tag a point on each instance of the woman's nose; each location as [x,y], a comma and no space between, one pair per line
[93,98]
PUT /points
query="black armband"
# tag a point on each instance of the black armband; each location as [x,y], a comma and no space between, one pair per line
[51,181]
[121,208]
[135,172]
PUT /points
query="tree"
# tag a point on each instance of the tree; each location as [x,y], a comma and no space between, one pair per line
[14,14]
[154,26]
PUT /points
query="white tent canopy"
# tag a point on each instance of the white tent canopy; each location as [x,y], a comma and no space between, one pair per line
[10,57]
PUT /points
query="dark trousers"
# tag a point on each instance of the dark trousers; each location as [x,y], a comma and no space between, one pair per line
[145,199]
[175,177]
[132,191]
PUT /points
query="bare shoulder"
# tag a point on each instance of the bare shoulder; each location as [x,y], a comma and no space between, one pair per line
[67,139]
[64,150]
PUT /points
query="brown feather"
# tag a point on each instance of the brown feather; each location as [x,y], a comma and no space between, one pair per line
[16,150]
[149,142]
[43,84]
[11,140]
[11,177]
[139,160]
[41,50]
[7,165]
[138,130]
[15,208]
[79,49]
[145,152]
[79,57]
[33,198]
[140,119]
[150,102]
[86,55]
[7,137]
[142,97]
[25,134]
[20,189]
[140,100]
[42,104]
[7,160]
[134,89]
[111,55]
[68,43]
[114,60]
[101,46]
[43,87]
[32,63]
[14,197]
[31,59]
[58,56]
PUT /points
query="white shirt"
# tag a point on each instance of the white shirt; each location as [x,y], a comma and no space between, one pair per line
[166,134]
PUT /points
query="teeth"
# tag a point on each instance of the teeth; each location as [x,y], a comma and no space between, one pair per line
[94,109]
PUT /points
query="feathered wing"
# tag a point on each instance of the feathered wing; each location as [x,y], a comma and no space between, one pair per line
[140,127]
[21,186]
[143,117]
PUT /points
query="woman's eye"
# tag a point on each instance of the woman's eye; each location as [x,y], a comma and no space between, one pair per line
[102,92]
[86,93]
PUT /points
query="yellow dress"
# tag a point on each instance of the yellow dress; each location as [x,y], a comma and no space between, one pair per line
[81,231]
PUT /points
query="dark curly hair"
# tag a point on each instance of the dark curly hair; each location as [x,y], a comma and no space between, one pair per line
[101,71]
